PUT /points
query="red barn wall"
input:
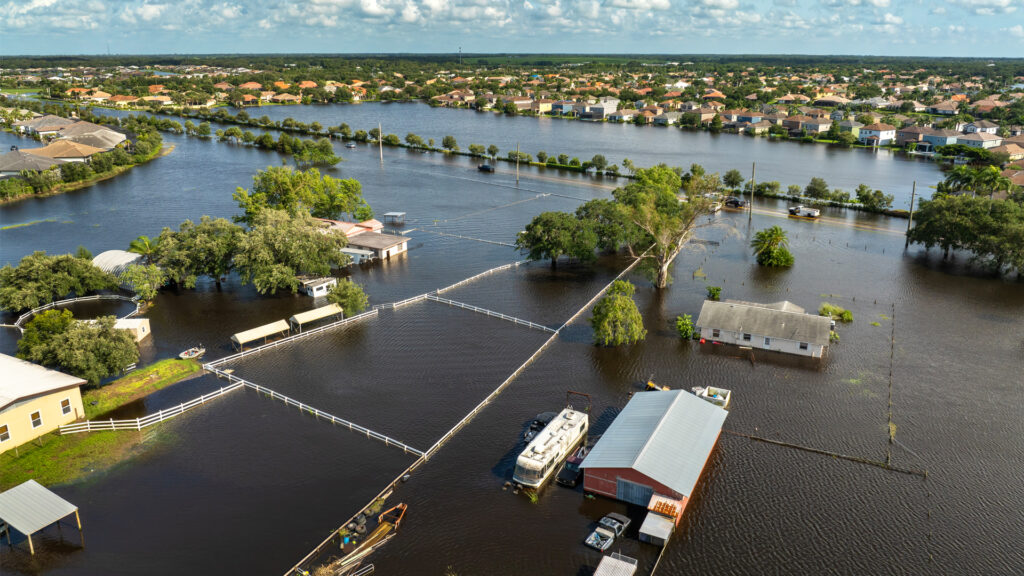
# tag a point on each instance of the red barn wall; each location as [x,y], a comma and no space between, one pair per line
[604,481]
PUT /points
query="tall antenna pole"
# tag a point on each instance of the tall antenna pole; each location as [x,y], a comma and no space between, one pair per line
[753,185]
[910,221]
[517,163]
[380,142]
[460,56]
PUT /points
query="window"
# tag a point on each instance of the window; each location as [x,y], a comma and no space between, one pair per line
[5,434]
[746,337]
[715,333]
[767,341]
[803,345]
[65,406]
[37,419]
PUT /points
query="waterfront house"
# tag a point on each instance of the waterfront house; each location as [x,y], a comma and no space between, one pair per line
[657,445]
[946,108]
[599,111]
[980,140]
[65,150]
[792,98]
[381,246]
[520,102]
[250,86]
[775,118]
[562,107]
[940,137]
[877,134]
[35,400]
[817,125]
[837,115]
[796,123]
[851,126]
[12,163]
[782,327]
[622,116]
[758,127]
[910,134]
[162,100]
[1012,150]
[667,118]
[981,126]
[42,125]
[542,106]
[285,98]
[122,100]
[750,117]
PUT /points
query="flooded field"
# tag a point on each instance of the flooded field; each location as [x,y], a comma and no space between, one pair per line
[249,475]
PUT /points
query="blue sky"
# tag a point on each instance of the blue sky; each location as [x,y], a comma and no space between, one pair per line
[984,28]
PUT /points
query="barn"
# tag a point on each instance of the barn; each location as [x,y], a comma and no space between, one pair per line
[658,444]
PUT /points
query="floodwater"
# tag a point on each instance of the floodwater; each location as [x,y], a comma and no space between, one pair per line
[247,485]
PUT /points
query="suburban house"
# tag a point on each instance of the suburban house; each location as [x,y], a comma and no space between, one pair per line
[12,163]
[43,125]
[796,123]
[817,125]
[981,126]
[947,108]
[667,118]
[980,140]
[910,134]
[622,115]
[1012,150]
[782,327]
[851,126]
[542,106]
[877,134]
[602,109]
[65,150]
[92,135]
[940,137]
[122,100]
[653,455]
[250,86]
[35,400]
[758,127]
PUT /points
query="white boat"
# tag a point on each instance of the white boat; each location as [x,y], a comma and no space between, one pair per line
[545,452]
[718,396]
[193,353]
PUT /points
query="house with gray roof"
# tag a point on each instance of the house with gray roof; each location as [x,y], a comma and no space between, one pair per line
[782,327]
[12,163]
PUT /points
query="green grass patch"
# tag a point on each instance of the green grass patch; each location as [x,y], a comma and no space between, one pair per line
[837,313]
[18,90]
[55,459]
[137,385]
[23,224]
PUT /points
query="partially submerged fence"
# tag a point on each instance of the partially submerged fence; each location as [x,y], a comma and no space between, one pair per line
[492,313]
[140,423]
[24,317]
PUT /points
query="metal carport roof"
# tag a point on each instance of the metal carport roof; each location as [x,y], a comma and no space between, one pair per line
[29,507]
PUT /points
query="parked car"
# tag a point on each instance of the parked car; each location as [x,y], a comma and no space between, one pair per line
[538,424]
[805,211]
[608,529]
[734,202]
[485,168]
[571,473]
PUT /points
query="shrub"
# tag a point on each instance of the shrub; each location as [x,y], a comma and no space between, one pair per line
[837,313]
[714,292]
[684,324]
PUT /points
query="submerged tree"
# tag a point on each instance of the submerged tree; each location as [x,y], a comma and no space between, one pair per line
[555,234]
[616,320]
[144,280]
[771,247]
[350,296]
[294,191]
[91,350]
[39,279]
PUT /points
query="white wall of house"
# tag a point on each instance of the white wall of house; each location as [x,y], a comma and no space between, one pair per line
[761,342]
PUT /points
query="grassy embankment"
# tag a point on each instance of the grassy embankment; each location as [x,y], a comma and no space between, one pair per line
[72,186]
[56,459]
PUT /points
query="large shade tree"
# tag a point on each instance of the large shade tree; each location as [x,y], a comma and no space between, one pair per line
[554,234]
[294,191]
[39,279]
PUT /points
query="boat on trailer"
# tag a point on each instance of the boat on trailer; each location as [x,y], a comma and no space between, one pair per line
[546,451]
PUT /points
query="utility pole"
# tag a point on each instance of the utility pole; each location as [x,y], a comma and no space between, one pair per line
[910,221]
[380,142]
[460,56]
[517,163]
[753,184]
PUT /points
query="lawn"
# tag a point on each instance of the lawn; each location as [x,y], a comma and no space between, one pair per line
[19,90]
[136,385]
[55,459]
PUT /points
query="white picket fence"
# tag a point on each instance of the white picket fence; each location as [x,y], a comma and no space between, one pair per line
[492,313]
[482,274]
[140,423]
[24,317]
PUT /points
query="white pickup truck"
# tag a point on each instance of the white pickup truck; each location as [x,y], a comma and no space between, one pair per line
[804,211]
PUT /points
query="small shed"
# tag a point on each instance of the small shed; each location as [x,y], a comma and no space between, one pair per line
[317,287]
[656,529]
[138,327]
[616,564]
[358,255]
[315,314]
[266,331]
[394,218]
[29,507]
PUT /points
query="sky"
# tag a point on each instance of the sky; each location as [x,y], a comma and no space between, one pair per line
[977,28]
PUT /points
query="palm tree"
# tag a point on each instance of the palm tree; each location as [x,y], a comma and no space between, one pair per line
[143,245]
[963,178]
[991,179]
[771,247]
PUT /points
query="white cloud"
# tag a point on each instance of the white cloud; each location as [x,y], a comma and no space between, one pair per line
[1015,31]
[640,4]
[988,7]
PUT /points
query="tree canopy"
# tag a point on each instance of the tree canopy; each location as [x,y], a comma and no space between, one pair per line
[39,279]
[555,234]
[194,250]
[280,246]
[294,191]
[90,350]
[616,320]
[992,230]
[349,296]
[771,247]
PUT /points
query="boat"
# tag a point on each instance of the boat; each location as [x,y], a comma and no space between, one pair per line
[350,145]
[545,452]
[485,168]
[193,353]
[804,211]
[718,396]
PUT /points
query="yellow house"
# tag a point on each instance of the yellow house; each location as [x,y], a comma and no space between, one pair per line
[35,400]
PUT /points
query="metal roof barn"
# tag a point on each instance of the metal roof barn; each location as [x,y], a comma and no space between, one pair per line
[29,507]
[664,437]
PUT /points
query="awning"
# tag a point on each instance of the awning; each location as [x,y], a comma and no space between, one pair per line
[29,507]
[315,314]
[260,332]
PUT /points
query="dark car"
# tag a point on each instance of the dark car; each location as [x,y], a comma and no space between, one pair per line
[571,473]
[734,202]
[485,168]
[538,424]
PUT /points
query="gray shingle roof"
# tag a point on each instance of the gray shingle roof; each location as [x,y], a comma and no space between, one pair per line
[17,161]
[665,435]
[760,319]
